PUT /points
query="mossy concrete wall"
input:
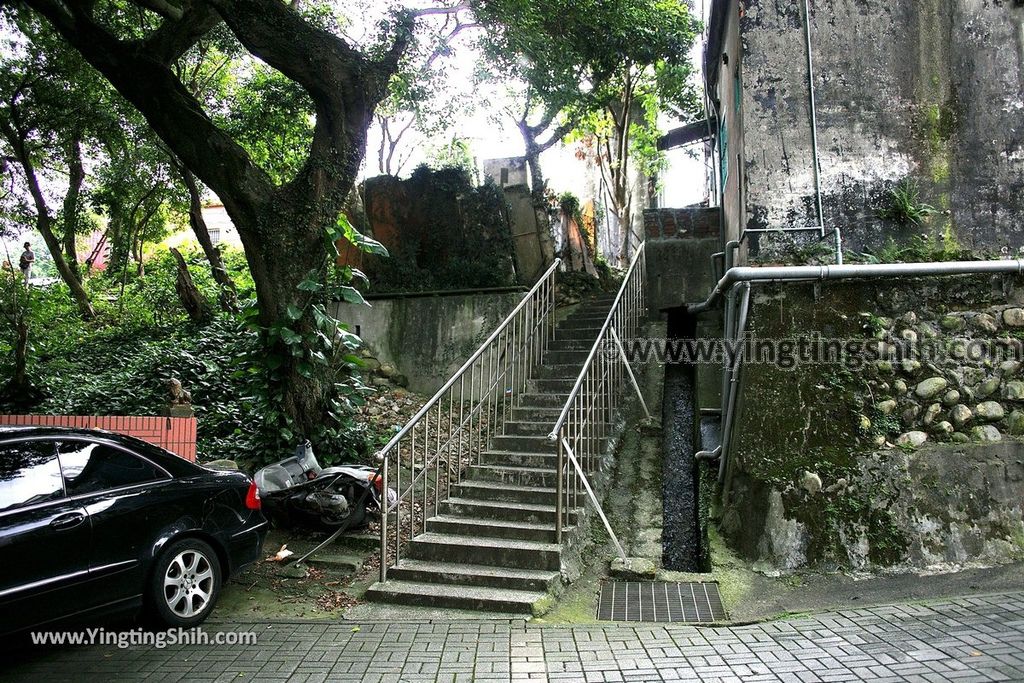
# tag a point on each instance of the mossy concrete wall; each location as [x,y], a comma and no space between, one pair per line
[927,89]
[427,338]
[822,474]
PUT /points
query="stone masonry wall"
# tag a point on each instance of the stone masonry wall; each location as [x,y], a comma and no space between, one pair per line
[884,458]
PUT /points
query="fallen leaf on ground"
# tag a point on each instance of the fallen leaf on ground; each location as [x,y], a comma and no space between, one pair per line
[281,554]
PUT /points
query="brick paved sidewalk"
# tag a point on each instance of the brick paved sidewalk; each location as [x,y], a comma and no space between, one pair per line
[967,639]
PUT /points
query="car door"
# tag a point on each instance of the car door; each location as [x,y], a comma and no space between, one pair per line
[128,502]
[44,538]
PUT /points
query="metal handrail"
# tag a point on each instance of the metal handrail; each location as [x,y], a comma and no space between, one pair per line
[637,257]
[458,420]
[593,402]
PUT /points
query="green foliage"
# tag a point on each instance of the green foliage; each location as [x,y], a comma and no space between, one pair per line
[919,248]
[119,363]
[272,118]
[905,206]
[570,206]
[454,153]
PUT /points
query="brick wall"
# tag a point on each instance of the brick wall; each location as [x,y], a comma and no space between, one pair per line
[693,222]
[176,434]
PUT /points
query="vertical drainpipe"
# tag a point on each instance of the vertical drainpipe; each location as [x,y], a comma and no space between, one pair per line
[814,137]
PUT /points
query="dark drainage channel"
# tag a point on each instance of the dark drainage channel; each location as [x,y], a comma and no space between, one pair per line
[682,546]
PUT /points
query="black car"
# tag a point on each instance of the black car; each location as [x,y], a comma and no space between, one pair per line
[93,522]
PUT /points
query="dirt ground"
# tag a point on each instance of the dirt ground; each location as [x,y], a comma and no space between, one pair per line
[323,589]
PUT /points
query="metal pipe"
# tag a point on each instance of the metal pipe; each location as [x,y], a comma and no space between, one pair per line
[718,265]
[708,455]
[814,118]
[733,388]
[731,247]
[853,271]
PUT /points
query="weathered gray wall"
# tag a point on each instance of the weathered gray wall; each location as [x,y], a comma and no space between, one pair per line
[930,89]
[428,338]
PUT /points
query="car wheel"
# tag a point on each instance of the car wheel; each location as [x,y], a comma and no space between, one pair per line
[186,582]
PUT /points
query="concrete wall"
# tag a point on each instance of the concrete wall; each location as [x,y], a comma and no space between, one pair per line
[927,89]
[427,338]
[680,243]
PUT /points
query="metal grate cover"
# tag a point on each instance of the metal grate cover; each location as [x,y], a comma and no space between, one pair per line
[660,601]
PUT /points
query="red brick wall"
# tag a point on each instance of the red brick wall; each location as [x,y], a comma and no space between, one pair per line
[691,222]
[176,434]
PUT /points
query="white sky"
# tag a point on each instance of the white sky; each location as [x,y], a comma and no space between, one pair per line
[494,136]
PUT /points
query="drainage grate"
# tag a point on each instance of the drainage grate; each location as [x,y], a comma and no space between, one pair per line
[660,601]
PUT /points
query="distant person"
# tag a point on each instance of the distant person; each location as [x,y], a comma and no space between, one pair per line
[27,259]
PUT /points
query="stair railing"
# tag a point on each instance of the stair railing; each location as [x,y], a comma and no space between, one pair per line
[426,457]
[593,404]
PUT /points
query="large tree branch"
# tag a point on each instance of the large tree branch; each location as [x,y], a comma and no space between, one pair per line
[344,84]
[178,33]
[175,115]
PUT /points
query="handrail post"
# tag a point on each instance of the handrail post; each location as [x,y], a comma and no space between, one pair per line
[559,484]
[384,522]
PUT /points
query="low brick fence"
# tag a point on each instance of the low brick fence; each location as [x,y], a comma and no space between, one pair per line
[176,434]
[693,222]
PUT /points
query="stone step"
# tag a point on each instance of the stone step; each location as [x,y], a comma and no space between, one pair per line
[536,414]
[495,552]
[519,459]
[594,319]
[533,443]
[517,512]
[558,371]
[588,333]
[575,356]
[558,344]
[509,474]
[528,427]
[483,599]
[532,399]
[418,571]
[457,525]
[500,491]
[542,385]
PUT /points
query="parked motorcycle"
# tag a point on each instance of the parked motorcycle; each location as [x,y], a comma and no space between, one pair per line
[297,491]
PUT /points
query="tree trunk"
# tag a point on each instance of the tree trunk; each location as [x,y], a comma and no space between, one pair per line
[78,292]
[192,301]
[228,296]
[279,262]
[19,385]
[16,138]
[76,176]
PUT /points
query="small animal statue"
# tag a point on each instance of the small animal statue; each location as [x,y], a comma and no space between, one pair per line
[179,395]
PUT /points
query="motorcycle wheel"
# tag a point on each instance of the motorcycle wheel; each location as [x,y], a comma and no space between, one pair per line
[356,518]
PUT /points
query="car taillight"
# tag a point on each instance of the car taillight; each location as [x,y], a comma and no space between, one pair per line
[378,481]
[252,498]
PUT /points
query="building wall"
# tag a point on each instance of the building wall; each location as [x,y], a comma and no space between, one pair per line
[731,135]
[925,89]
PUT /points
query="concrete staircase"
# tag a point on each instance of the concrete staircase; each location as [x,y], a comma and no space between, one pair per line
[492,545]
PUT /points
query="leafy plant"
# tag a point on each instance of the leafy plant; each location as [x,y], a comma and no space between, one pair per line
[905,206]
[919,248]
